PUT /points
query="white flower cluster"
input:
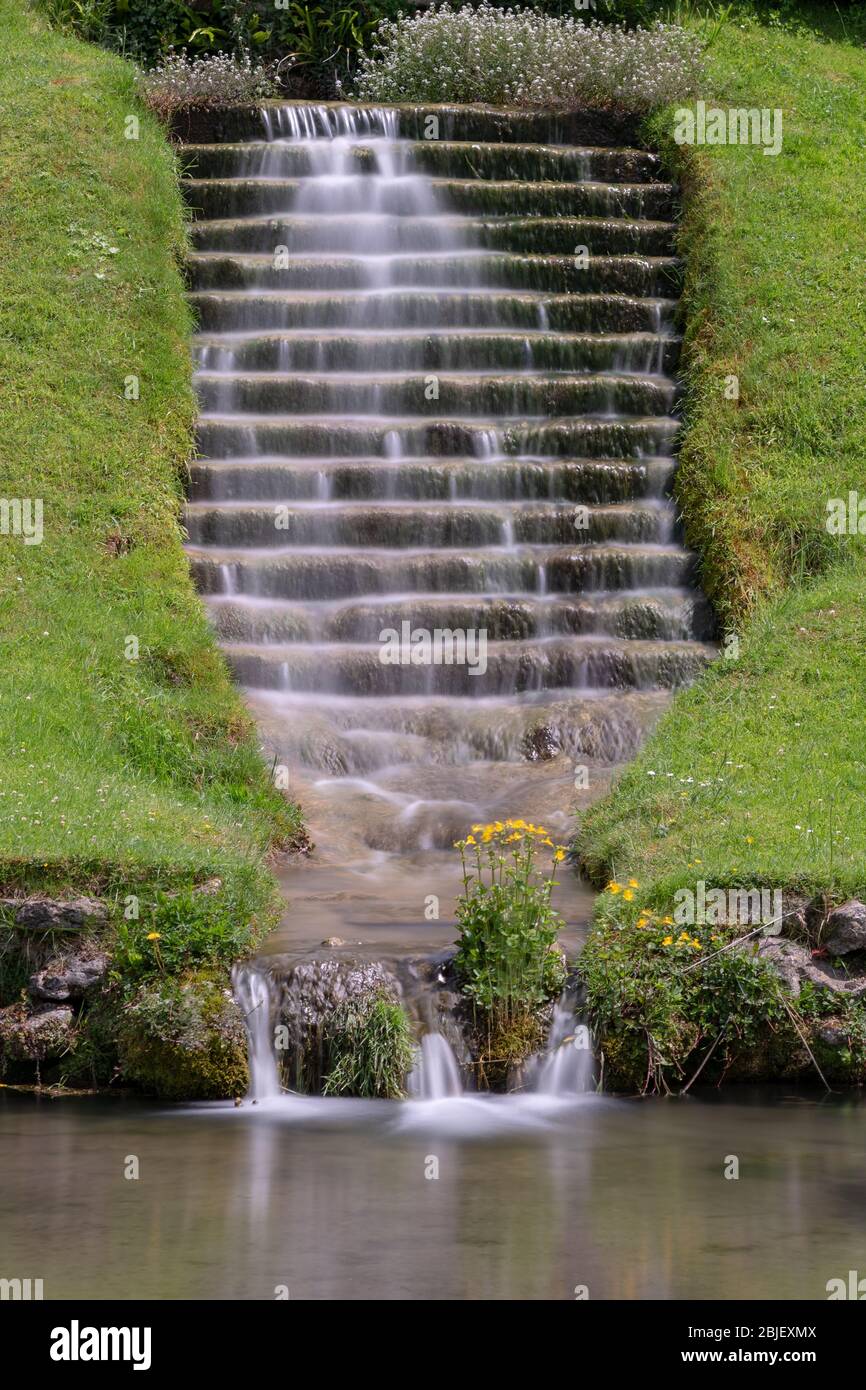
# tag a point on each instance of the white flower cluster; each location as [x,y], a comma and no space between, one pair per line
[518,57]
[181,83]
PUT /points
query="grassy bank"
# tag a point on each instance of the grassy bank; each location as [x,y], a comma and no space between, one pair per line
[129,765]
[755,777]
[755,773]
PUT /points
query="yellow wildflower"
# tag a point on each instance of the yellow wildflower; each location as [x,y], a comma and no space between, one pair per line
[633,883]
[614,887]
[668,941]
[627,895]
[153,936]
[559,855]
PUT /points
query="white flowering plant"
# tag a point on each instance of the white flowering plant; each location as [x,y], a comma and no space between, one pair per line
[519,57]
[181,83]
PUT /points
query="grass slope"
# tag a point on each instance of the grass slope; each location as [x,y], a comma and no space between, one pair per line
[756,775]
[116,775]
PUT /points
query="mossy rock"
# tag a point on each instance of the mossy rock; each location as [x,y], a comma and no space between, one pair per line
[185,1039]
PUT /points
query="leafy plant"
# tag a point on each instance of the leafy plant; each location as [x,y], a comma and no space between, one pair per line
[507,959]
[88,19]
[370,1049]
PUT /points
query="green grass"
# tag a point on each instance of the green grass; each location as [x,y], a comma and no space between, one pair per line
[115,775]
[756,775]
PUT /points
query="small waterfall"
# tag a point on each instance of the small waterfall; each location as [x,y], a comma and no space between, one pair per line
[254,999]
[436,1075]
[568,1067]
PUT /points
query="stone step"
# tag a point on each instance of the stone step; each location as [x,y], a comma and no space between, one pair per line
[505,668]
[450,121]
[239,197]
[442,349]
[469,393]
[325,233]
[263,159]
[433,524]
[588,481]
[665,614]
[225,436]
[346,573]
[348,735]
[248,311]
[657,276]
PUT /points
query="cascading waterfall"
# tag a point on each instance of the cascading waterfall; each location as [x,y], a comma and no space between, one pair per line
[422,405]
[568,1069]
[252,991]
[436,1075]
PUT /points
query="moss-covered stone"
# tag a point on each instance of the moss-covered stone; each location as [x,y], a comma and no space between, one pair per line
[184,1039]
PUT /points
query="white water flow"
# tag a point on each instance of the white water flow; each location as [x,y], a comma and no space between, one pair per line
[436,1075]
[252,991]
[568,1069]
[422,413]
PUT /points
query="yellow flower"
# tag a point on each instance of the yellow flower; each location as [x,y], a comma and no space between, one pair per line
[470,840]
[749,840]
[668,921]
[511,838]
[696,944]
[627,895]
[668,941]
[633,883]
[559,855]
[614,887]
[153,936]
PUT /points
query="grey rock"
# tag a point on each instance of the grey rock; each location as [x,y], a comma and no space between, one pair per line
[796,965]
[846,929]
[34,1035]
[53,914]
[69,979]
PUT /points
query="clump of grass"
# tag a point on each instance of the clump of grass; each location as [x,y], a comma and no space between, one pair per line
[370,1049]
[754,777]
[521,57]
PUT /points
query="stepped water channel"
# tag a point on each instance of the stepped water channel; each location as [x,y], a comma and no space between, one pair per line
[436,370]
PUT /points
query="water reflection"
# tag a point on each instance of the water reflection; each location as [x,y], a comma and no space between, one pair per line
[533,1197]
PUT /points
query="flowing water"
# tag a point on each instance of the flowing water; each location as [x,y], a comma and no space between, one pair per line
[424,410]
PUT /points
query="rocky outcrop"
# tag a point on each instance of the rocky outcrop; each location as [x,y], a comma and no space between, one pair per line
[66,979]
[35,1035]
[797,965]
[846,929]
[53,914]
